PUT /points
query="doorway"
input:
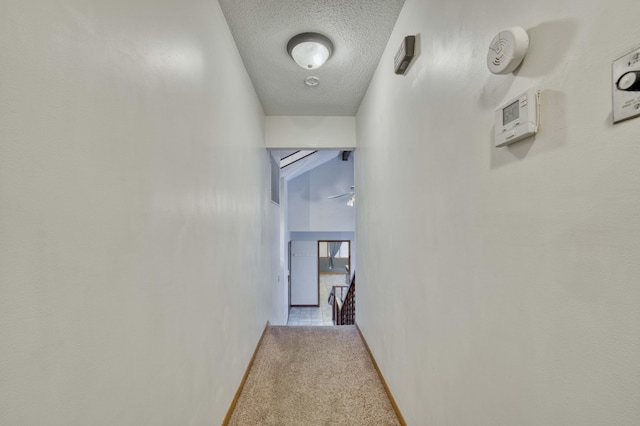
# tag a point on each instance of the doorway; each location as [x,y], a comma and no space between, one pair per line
[316,267]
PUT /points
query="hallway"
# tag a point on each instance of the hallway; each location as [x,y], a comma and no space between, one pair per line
[143,232]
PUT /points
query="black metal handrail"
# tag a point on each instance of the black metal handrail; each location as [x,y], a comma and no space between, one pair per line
[344,309]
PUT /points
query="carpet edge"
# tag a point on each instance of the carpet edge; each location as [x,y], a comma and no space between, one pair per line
[384,382]
[234,401]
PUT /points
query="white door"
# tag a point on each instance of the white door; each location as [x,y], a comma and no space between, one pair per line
[304,273]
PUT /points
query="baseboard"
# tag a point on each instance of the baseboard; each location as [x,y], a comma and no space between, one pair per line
[384,383]
[232,407]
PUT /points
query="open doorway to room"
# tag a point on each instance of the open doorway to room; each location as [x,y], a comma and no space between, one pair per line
[317,230]
[330,258]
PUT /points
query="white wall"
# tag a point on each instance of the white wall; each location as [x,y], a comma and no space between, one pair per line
[134,214]
[285,237]
[309,208]
[516,300]
[303,132]
[279,307]
[304,273]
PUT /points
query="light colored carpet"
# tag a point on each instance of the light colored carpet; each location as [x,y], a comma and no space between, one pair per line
[313,376]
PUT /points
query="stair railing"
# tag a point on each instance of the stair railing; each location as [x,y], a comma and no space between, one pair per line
[344,308]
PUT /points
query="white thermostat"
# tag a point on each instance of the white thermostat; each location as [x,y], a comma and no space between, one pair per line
[507,50]
[518,119]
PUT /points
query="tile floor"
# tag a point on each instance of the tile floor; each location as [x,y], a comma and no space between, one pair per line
[310,316]
[322,314]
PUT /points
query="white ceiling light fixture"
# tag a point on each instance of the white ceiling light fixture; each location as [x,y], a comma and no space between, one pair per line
[351,201]
[310,50]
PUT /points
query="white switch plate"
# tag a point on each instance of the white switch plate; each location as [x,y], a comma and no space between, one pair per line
[626,104]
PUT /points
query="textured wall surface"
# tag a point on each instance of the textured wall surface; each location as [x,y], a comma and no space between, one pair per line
[134,214]
[310,210]
[516,296]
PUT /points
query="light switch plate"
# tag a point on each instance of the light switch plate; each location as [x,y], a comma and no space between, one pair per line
[626,103]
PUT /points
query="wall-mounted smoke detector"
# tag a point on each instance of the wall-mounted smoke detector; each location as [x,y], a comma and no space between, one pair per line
[507,50]
[405,55]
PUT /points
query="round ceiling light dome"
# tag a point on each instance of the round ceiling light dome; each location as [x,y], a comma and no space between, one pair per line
[310,50]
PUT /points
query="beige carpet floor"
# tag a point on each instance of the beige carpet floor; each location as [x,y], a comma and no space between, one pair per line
[313,376]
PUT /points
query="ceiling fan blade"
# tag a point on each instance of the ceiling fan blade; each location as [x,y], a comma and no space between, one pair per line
[341,195]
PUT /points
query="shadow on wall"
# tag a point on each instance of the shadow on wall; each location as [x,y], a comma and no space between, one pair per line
[549,44]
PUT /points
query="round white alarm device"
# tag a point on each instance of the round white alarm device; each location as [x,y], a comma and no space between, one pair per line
[507,50]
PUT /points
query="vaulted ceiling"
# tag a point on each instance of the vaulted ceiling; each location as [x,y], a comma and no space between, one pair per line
[359,30]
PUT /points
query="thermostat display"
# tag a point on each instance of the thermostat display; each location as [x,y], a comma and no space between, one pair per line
[517,119]
[510,113]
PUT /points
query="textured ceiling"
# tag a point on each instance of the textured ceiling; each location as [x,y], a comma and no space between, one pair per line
[359,30]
